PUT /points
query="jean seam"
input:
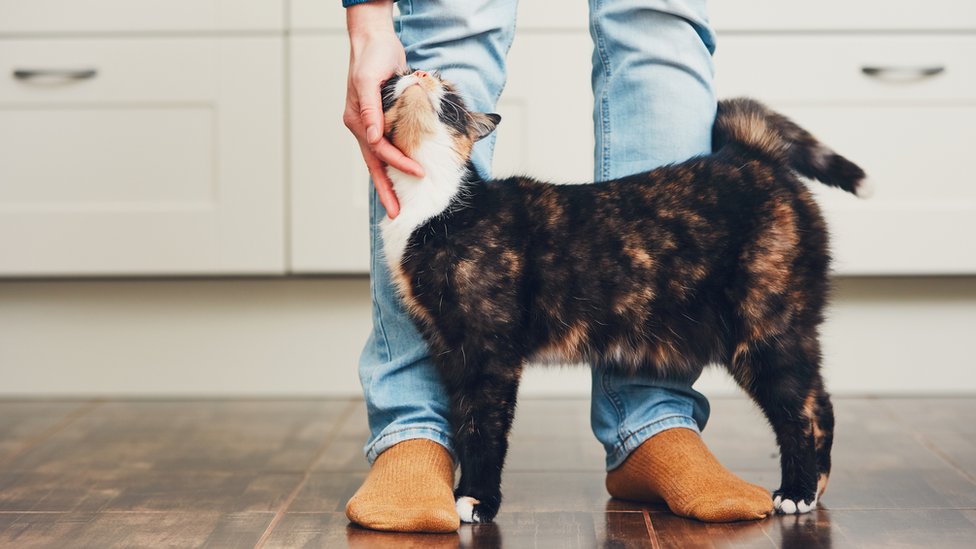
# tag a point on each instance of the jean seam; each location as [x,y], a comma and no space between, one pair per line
[376,265]
[616,402]
[621,449]
[604,95]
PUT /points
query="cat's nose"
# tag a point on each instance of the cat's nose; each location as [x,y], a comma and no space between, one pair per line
[421,74]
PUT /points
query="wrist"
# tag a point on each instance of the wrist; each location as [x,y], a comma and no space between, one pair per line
[369,19]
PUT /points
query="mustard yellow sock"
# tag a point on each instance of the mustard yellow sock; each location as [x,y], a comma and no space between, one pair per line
[409,489]
[675,466]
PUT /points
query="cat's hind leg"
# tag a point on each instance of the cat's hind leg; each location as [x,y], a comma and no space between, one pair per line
[782,376]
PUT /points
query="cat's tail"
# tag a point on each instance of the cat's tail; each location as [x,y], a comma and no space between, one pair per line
[749,123]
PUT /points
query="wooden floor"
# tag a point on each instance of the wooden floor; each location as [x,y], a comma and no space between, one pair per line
[234,473]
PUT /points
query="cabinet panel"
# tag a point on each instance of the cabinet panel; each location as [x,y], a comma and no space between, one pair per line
[167,160]
[329,182]
[317,15]
[912,135]
[62,16]
[782,15]
[547,135]
[840,15]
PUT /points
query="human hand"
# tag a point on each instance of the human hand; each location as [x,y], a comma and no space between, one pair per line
[375,54]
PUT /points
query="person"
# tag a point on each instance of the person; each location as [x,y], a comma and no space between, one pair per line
[651,64]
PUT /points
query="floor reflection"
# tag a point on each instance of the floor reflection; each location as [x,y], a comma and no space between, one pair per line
[809,530]
[361,538]
[614,527]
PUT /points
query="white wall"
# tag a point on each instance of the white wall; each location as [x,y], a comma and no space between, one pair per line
[302,336]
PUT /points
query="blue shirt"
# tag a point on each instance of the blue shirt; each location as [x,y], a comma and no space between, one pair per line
[347,3]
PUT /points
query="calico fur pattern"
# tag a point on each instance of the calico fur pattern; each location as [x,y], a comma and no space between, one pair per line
[720,259]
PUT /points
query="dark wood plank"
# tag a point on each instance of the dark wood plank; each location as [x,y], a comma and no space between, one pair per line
[236,530]
[673,531]
[554,435]
[326,492]
[945,425]
[258,435]
[345,451]
[881,529]
[532,529]
[328,530]
[26,422]
[622,530]
[110,530]
[127,490]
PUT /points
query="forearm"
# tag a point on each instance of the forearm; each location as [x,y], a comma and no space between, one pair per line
[368,19]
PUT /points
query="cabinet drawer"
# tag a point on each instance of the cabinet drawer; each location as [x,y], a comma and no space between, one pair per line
[167,160]
[827,68]
[63,16]
[913,135]
[838,15]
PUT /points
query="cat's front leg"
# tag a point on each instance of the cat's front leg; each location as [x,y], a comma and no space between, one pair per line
[483,397]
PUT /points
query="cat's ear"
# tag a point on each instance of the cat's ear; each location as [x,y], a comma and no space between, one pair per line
[483,124]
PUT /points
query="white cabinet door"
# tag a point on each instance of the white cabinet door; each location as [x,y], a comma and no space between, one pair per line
[329,182]
[64,16]
[913,134]
[166,157]
[316,15]
[544,134]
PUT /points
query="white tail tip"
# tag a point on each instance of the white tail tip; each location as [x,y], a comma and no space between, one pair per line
[865,188]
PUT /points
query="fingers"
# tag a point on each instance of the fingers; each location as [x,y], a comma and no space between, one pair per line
[371,116]
[390,155]
[371,110]
[381,182]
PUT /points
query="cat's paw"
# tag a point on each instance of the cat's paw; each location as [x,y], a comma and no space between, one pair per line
[465,509]
[789,503]
[472,510]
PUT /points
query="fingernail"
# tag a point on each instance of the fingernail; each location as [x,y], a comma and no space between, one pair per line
[372,134]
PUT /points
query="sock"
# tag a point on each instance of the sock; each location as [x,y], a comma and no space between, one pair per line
[677,467]
[409,489]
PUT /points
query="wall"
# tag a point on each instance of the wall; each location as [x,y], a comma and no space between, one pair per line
[302,336]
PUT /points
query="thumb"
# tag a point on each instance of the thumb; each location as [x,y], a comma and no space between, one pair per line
[371,113]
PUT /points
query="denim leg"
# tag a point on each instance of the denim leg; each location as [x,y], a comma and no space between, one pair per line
[467,42]
[653,105]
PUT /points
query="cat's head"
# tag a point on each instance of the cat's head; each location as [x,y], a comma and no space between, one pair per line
[422,109]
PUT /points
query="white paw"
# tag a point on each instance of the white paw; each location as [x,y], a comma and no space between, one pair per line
[804,507]
[790,507]
[465,509]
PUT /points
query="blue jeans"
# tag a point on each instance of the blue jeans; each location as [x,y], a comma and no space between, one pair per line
[654,105]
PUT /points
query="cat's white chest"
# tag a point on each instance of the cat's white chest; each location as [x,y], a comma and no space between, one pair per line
[421,198]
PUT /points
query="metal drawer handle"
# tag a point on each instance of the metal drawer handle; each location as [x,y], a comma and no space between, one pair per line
[906,73]
[65,74]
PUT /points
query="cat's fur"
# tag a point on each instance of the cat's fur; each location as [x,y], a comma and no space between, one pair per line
[720,259]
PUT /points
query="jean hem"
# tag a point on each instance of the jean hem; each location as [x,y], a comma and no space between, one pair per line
[627,445]
[391,438]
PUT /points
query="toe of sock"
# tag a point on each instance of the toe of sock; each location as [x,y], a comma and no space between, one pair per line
[400,519]
[731,508]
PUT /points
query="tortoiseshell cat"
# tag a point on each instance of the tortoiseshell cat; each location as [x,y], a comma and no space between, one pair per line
[720,259]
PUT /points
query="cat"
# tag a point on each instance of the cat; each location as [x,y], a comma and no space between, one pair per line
[719,259]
